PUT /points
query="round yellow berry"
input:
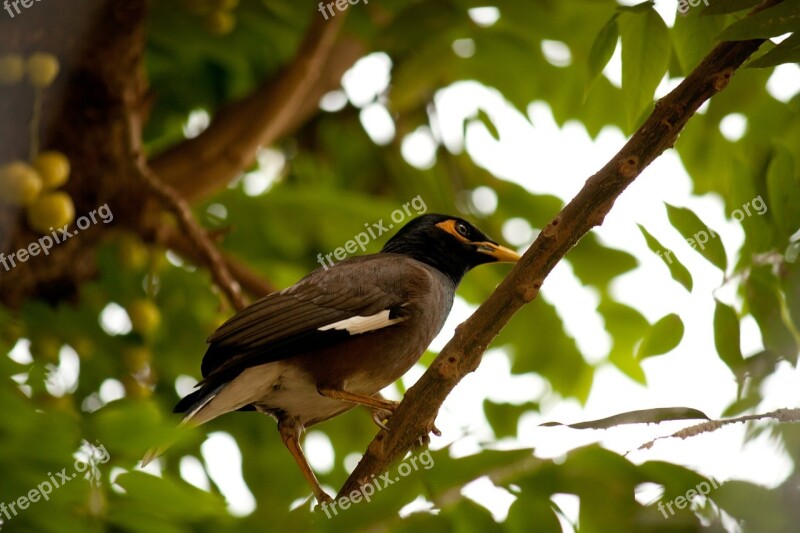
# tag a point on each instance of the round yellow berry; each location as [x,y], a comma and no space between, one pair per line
[12,69]
[51,210]
[220,22]
[42,69]
[53,167]
[20,184]
[133,254]
[145,316]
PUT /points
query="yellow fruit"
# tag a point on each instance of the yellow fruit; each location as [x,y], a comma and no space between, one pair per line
[84,346]
[51,210]
[220,22]
[20,184]
[42,69]
[145,316]
[132,253]
[53,167]
[12,69]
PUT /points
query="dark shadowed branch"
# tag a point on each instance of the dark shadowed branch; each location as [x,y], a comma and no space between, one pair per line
[173,201]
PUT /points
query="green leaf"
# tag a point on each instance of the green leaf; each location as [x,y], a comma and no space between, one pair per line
[783,191]
[637,8]
[645,58]
[555,356]
[602,49]
[503,417]
[787,51]
[484,119]
[663,337]
[676,269]
[790,284]
[727,337]
[531,509]
[600,274]
[698,235]
[765,304]
[655,415]
[626,326]
[169,498]
[777,20]
[693,36]
[722,7]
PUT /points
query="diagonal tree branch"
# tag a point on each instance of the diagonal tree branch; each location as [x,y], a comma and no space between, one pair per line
[462,355]
[175,203]
[198,167]
[785,415]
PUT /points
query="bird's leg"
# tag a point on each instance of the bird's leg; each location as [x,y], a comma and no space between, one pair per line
[290,434]
[369,401]
[382,408]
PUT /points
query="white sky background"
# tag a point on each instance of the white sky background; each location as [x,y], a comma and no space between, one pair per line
[544,158]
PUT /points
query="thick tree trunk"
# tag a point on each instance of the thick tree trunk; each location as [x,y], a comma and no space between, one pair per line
[99,44]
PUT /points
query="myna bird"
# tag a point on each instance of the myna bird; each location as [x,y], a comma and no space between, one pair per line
[340,335]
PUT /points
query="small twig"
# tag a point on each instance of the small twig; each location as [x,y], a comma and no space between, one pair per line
[36,118]
[173,201]
[781,415]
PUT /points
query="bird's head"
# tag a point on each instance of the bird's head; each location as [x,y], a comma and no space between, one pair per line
[448,243]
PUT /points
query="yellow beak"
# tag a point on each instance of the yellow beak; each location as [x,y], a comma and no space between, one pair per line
[500,253]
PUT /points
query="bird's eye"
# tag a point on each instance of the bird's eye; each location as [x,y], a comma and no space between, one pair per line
[462,229]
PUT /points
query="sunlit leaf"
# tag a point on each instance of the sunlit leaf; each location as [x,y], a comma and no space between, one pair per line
[698,235]
[727,337]
[663,337]
[645,56]
[676,269]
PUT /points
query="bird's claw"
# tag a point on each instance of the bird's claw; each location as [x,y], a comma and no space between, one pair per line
[380,415]
[425,439]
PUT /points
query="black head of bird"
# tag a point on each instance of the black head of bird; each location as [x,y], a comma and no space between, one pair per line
[449,244]
[340,335]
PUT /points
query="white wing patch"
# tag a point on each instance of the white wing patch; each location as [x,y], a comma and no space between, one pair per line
[362,324]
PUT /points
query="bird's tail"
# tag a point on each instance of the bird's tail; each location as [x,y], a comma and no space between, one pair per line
[191,404]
